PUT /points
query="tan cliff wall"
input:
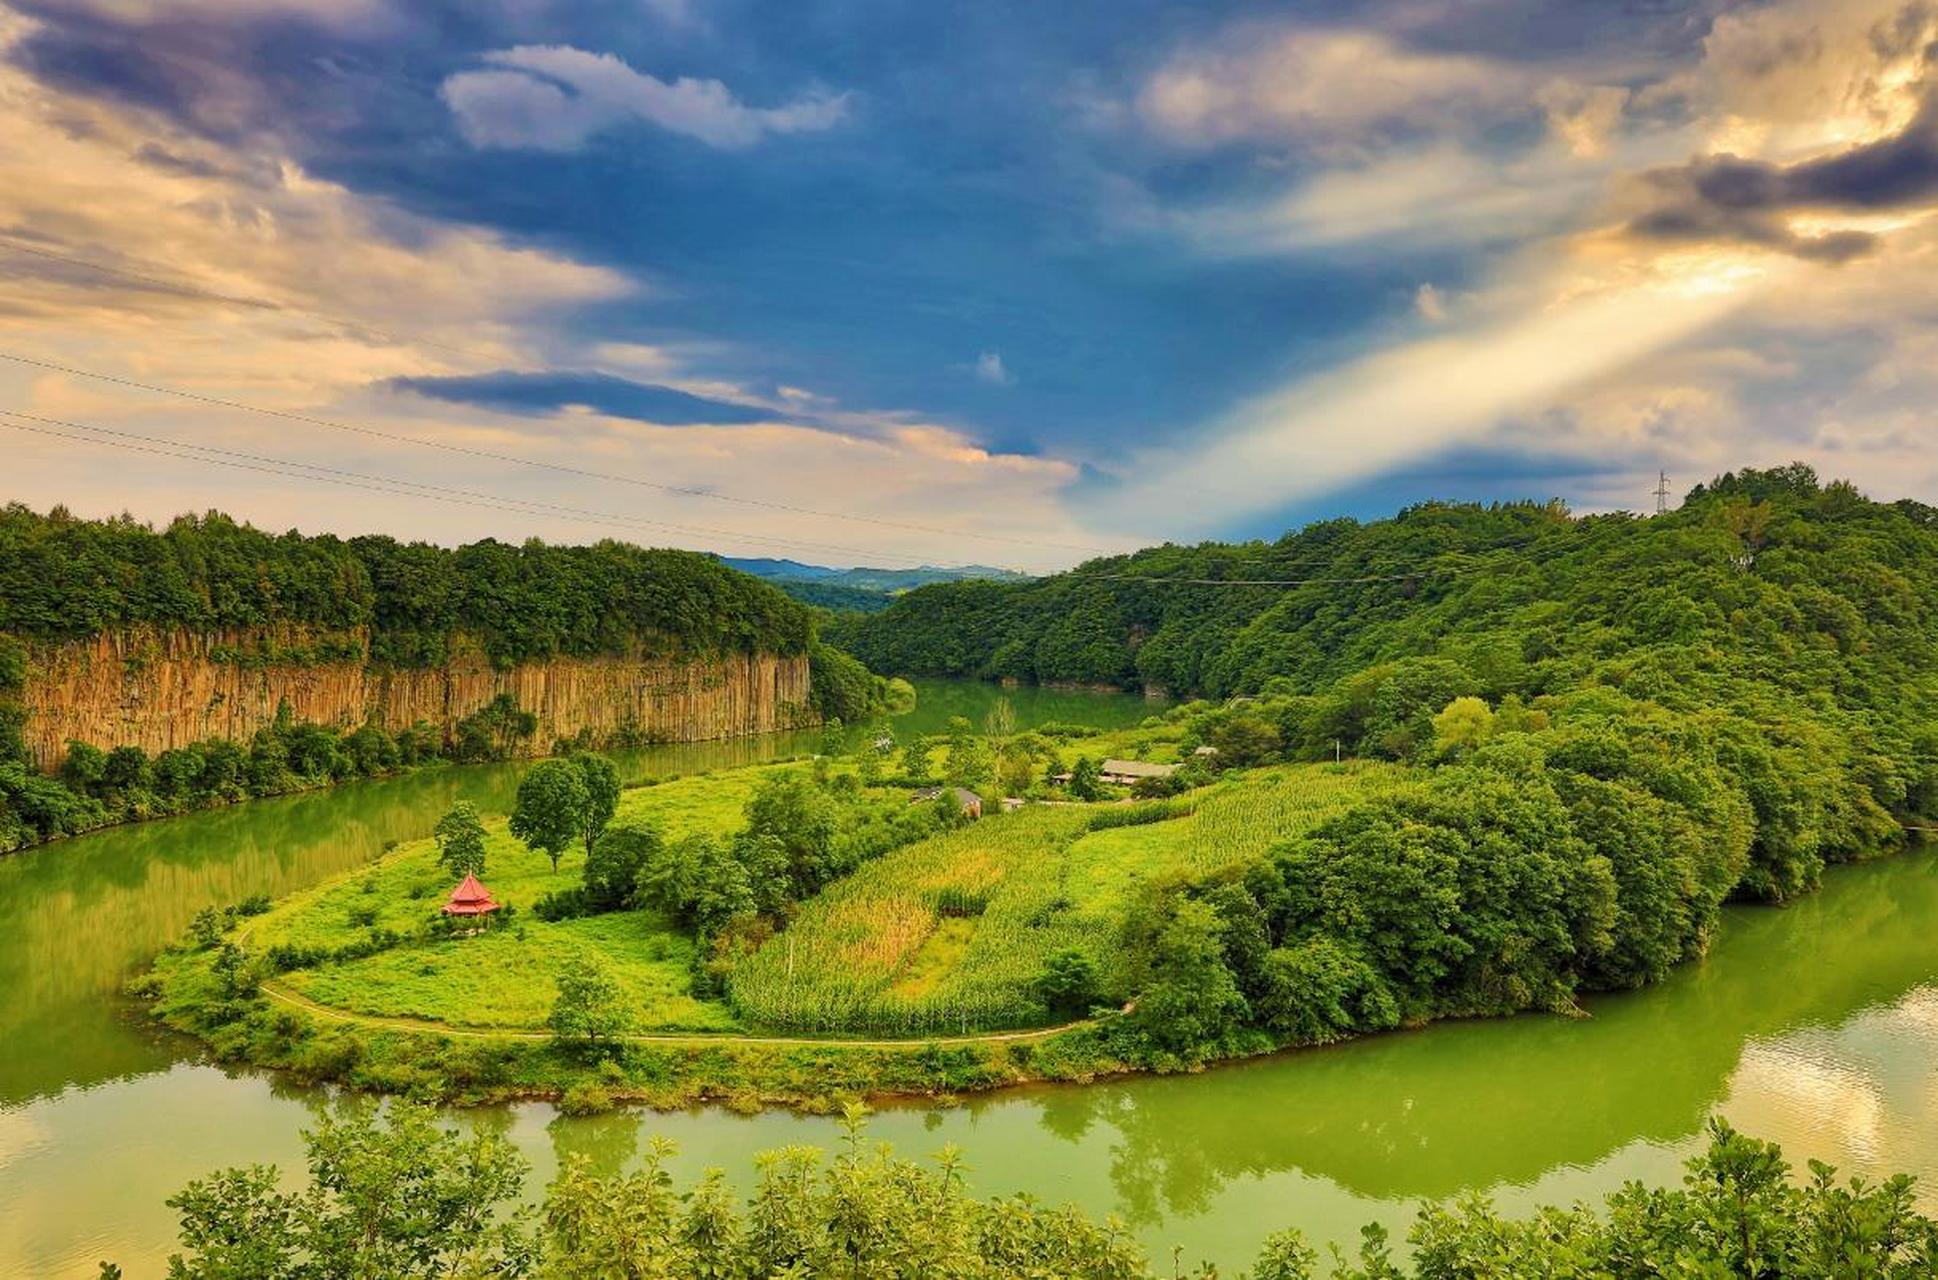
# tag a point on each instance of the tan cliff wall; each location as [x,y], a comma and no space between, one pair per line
[158,690]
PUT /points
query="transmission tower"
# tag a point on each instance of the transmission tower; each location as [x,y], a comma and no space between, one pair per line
[1661,492]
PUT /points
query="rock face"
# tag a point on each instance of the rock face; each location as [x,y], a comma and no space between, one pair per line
[158,690]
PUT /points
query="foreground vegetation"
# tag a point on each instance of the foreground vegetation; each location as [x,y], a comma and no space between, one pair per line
[392,1195]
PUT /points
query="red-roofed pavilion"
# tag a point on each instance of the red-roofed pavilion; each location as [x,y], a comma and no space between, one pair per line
[470,899]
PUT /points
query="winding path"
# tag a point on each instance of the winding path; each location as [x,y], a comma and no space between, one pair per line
[296,1000]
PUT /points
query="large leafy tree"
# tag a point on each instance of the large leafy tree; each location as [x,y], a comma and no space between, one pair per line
[590,1011]
[551,813]
[390,1194]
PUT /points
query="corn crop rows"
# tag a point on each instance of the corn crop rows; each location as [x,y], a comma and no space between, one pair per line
[837,966]
[848,962]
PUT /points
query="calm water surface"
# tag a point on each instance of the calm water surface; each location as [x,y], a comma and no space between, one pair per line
[1816,1025]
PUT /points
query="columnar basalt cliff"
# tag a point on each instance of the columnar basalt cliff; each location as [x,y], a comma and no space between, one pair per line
[163,689]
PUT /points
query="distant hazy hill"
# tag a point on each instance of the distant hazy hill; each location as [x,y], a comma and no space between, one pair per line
[862,589]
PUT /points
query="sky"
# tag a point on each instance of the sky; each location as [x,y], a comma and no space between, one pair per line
[1004,283]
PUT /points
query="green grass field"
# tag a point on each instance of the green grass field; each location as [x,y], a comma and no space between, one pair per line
[503,978]
[949,934]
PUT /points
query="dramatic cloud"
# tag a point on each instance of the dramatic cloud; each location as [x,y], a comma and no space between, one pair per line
[135,247]
[555,98]
[1414,399]
[1732,198]
[1690,265]
[1316,263]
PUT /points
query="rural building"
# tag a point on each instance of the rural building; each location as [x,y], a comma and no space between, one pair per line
[1126,772]
[470,899]
[970,802]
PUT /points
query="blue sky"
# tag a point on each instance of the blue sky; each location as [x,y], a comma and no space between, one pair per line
[993,282]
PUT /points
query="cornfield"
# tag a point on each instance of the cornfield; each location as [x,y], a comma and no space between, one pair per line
[948,936]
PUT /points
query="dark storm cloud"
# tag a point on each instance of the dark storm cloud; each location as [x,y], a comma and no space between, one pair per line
[1728,198]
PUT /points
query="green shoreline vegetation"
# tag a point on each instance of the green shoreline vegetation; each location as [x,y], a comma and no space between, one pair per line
[391,1194]
[371,600]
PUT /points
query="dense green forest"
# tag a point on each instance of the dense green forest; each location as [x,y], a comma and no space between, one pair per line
[64,577]
[831,595]
[1627,721]
[394,1195]
[316,599]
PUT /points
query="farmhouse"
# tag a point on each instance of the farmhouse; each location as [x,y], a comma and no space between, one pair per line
[969,801]
[1126,772]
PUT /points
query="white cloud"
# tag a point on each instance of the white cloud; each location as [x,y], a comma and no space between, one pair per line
[555,98]
[1321,84]
[1438,195]
[990,369]
[1431,306]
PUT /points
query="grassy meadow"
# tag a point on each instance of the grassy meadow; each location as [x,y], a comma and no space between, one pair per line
[504,978]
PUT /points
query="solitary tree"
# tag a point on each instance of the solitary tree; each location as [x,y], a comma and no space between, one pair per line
[551,813]
[601,794]
[1085,779]
[460,840]
[589,1011]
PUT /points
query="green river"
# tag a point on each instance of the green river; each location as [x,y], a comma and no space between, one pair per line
[1816,1025]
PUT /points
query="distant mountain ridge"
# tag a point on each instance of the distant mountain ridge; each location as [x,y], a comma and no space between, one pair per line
[861,588]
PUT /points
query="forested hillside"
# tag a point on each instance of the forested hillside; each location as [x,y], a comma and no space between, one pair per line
[1626,720]
[1789,626]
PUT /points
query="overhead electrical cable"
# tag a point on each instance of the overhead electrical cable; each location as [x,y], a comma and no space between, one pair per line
[293,469]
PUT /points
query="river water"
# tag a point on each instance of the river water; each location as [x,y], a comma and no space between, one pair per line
[1816,1025]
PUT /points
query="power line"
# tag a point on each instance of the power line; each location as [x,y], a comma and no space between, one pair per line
[1261,582]
[287,468]
[392,485]
[559,467]
[14,245]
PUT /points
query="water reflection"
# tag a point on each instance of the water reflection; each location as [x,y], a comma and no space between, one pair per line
[1791,1009]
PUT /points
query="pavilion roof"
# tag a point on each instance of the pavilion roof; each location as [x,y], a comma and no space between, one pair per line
[470,898]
